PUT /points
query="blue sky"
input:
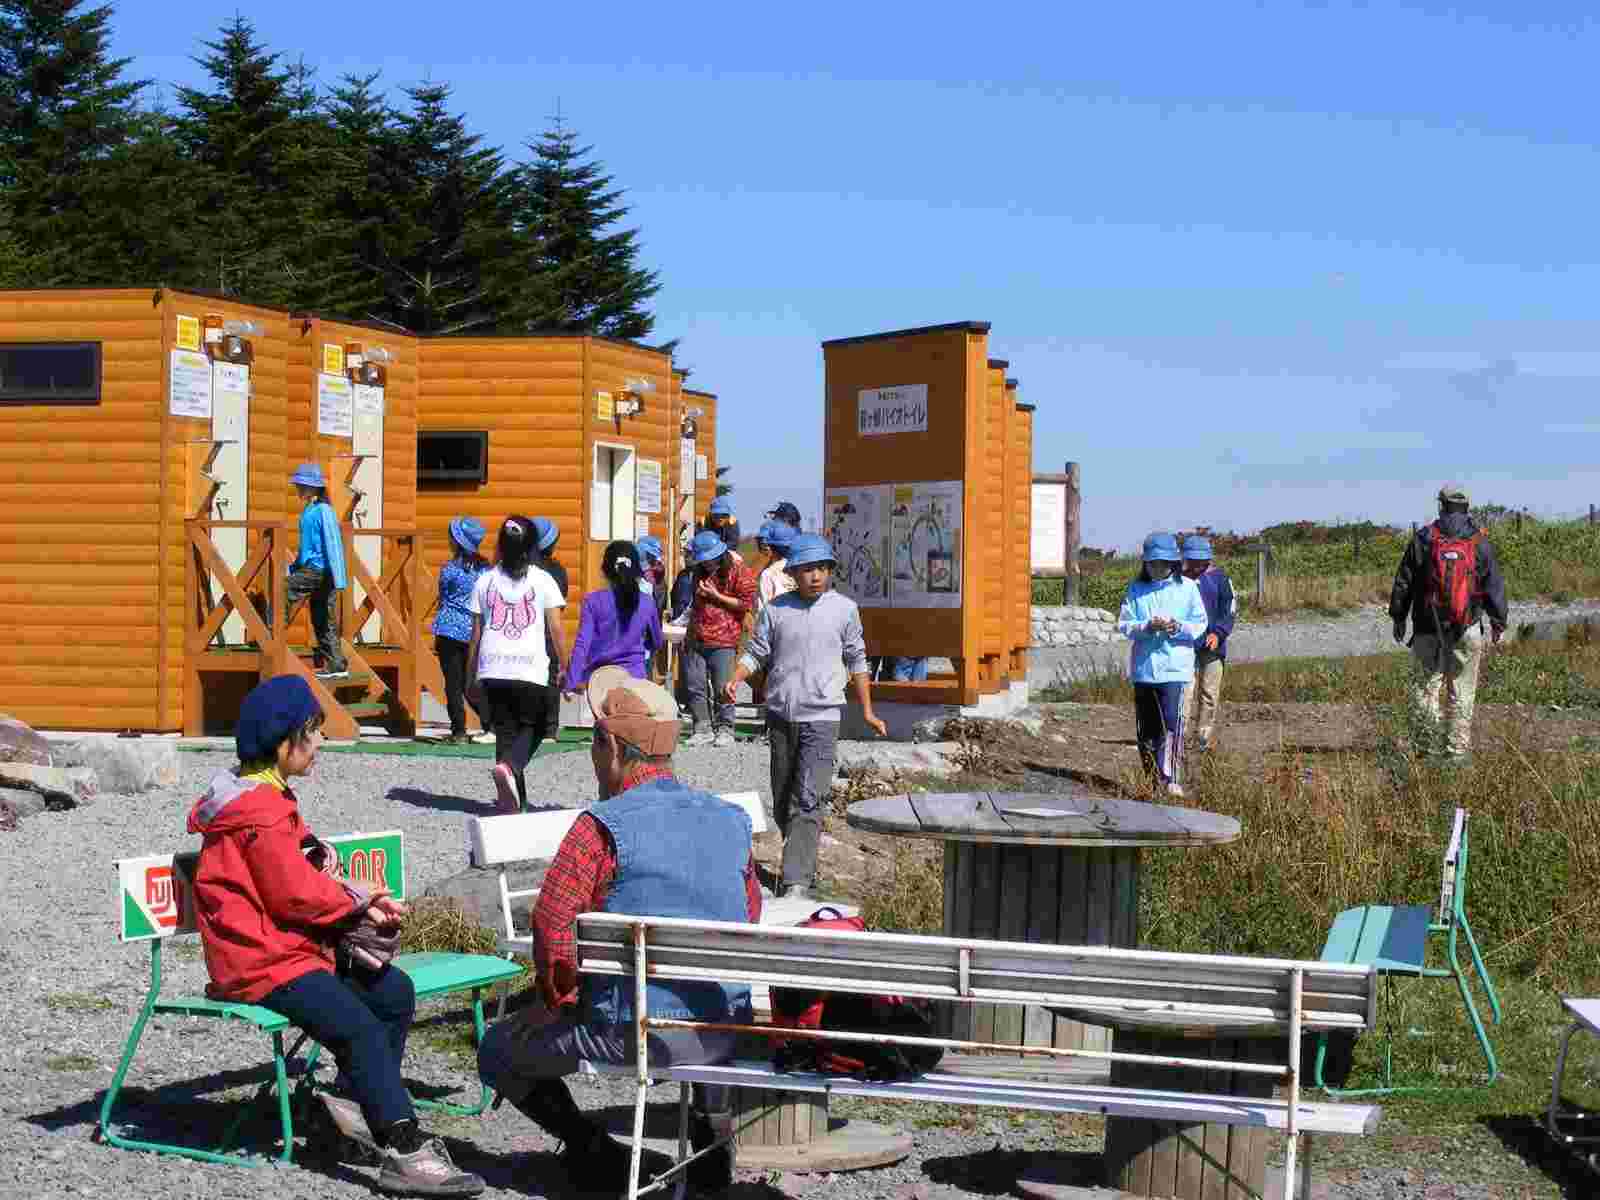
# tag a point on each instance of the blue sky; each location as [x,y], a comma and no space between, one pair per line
[1251,262]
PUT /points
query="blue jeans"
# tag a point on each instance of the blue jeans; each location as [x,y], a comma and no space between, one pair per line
[713,665]
[362,1018]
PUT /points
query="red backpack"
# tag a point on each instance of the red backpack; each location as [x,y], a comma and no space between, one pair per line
[1453,579]
[793,1008]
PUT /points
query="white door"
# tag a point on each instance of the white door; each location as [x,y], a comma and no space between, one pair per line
[230,424]
[612,493]
[368,442]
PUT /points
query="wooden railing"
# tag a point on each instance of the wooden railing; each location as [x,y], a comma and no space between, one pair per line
[394,599]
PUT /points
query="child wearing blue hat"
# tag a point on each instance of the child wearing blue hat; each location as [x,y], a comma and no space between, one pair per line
[1163,614]
[724,594]
[452,626]
[1211,652]
[318,570]
[282,929]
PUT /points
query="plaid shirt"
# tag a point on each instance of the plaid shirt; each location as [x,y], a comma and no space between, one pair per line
[577,882]
[710,623]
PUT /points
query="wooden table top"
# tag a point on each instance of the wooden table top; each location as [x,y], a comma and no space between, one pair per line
[1070,817]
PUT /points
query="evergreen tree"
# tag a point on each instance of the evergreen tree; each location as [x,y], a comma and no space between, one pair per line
[363,130]
[64,108]
[586,279]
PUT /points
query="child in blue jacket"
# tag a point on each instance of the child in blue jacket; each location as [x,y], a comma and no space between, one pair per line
[1211,651]
[1163,613]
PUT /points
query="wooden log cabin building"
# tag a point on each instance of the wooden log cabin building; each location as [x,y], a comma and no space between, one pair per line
[148,436]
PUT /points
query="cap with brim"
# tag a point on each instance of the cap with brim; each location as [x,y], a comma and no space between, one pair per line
[467,532]
[1454,493]
[639,712]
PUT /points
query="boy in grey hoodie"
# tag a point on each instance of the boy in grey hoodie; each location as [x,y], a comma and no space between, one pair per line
[809,642]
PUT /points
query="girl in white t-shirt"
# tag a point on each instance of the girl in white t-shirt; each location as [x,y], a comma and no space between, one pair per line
[510,606]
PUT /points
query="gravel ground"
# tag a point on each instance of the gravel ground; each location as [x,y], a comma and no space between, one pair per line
[1365,631]
[70,991]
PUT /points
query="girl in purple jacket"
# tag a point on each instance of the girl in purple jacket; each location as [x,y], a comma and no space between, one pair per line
[614,627]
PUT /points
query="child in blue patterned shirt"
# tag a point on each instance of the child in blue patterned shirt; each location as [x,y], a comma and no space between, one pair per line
[452,627]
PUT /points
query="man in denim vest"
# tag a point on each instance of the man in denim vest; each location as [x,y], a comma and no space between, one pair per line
[651,847]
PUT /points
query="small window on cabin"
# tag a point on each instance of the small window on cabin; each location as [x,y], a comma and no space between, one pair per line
[452,455]
[50,373]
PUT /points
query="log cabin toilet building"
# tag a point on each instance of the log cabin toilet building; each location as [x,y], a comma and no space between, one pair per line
[148,436]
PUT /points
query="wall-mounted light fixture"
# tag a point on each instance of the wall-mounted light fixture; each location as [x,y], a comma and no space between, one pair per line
[229,341]
[366,364]
[630,403]
[689,429]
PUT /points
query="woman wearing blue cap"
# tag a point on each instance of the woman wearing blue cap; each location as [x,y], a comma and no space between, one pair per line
[318,572]
[1163,613]
[452,627]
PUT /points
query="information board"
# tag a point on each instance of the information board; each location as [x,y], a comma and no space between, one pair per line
[1049,549]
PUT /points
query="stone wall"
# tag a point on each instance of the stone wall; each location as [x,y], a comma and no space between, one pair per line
[1072,625]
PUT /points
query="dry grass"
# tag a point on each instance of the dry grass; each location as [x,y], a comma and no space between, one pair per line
[1323,594]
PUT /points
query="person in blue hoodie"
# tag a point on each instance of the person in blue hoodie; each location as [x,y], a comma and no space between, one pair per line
[1211,651]
[1164,616]
[318,573]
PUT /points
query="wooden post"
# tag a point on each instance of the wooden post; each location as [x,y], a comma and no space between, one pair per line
[1074,499]
[1261,574]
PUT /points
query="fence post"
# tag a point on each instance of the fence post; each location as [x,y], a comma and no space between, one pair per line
[1261,575]
[1074,497]
[1591,514]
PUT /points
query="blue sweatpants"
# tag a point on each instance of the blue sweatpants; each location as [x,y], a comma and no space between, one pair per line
[1158,716]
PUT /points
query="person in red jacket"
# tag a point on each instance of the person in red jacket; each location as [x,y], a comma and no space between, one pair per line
[271,909]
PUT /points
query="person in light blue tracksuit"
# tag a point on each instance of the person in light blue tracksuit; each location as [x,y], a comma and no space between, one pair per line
[1163,614]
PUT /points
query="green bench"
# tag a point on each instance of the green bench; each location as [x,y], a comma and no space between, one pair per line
[156,902]
[1394,940]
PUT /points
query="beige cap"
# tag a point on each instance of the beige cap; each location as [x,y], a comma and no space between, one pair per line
[641,713]
[1453,493]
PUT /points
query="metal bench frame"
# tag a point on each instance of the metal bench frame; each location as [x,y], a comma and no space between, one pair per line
[156,902]
[1262,993]
[1579,1140]
[1363,935]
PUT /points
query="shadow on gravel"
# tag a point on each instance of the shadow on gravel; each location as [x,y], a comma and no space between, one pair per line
[1525,1137]
[480,806]
[994,1172]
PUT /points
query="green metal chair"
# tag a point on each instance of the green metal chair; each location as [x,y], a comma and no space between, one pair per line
[156,902]
[1394,939]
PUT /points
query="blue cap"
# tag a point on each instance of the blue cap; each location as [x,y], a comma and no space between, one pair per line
[649,547]
[545,532]
[466,532]
[781,536]
[721,507]
[1197,548]
[271,712]
[1161,547]
[308,474]
[707,546]
[809,548]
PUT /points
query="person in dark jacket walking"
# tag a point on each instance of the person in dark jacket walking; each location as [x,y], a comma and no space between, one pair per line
[1204,694]
[1445,652]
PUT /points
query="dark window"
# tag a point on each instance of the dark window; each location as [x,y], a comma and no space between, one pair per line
[50,373]
[453,454]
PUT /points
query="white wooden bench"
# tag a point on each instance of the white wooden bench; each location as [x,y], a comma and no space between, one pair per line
[1281,995]
[155,901]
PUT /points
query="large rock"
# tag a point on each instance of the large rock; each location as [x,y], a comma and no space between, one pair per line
[19,743]
[477,890]
[125,765]
[60,787]
[932,758]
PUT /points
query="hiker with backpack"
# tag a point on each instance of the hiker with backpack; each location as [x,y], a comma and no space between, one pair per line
[1448,580]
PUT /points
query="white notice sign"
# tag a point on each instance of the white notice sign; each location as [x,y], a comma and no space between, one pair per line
[686,466]
[369,400]
[1049,551]
[335,405]
[702,469]
[902,409]
[189,385]
[230,379]
[647,486]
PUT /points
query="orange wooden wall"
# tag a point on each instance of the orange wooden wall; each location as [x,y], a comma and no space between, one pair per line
[705,490]
[1019,485]
[993,539]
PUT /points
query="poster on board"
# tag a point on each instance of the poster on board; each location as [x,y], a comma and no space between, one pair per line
[925,545]
[335,405]
[189,385]
[856,523]
[1049,549]
[647,486]
[686,466]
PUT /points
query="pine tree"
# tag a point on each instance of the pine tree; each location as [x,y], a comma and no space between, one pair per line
[586,279]
[64,108]
[363,130]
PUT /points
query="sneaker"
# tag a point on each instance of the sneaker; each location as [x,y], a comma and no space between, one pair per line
[795,891]
[1175,789]
[505,788]
[714,1172]
[426,1171]
[700,737]
[486,738]
[723,737]
[341,673]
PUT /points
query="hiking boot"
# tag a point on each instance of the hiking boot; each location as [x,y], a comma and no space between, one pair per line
[714,1172]
[505,789]
[1175,789]
[425,1171]
[723,737]
[351,1126]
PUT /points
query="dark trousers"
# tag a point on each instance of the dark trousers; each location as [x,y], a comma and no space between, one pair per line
[362,1018]
[708,668]
[316,585]
[519,714]
[802,766]
[453,663]
[1158,718]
